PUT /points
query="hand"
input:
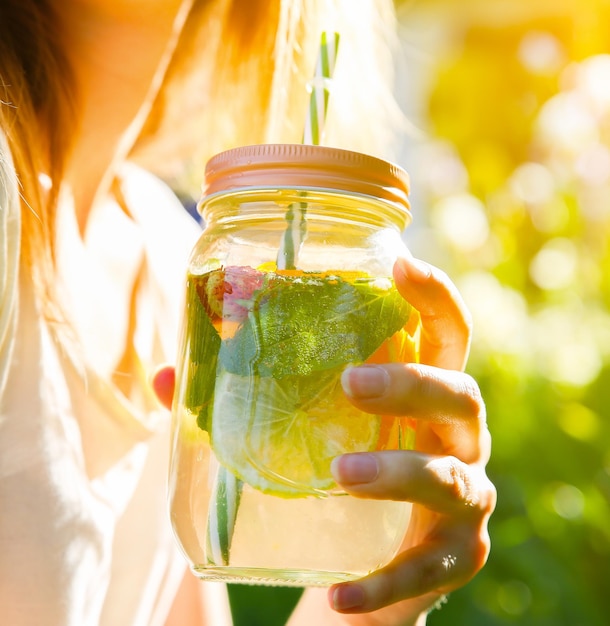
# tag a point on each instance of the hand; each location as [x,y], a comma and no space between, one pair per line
[447,542]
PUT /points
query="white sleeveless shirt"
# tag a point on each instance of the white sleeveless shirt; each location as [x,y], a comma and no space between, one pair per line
[85,538]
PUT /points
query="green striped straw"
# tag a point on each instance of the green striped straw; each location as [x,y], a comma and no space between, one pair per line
[228,488]
[320,89]
[222,516]
[296,229]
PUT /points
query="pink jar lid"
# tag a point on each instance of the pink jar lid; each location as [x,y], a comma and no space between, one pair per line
[302,166]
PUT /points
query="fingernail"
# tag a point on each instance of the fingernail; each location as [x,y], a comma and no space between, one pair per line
[365,381]
[414,269]
[347,597]
[354,469]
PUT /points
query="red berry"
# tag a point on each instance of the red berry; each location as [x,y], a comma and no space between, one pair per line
[227,293]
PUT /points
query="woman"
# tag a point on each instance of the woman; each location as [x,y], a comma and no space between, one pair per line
[93,250]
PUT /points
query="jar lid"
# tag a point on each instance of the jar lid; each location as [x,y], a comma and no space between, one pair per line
[305,166]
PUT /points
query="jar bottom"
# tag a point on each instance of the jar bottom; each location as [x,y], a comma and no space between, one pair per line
[272,577]
[297,542]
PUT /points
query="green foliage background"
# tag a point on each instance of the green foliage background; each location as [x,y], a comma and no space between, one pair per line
[511,179]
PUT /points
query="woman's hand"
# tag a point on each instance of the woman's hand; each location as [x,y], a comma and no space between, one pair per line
[447,542]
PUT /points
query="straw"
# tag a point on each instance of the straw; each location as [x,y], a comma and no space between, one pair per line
[319,87]
[222,516]
[228,488]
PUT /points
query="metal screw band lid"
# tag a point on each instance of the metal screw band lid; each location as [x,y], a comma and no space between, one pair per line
[306,166]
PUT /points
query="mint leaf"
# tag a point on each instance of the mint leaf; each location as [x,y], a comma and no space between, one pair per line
[203,345]
[307,324]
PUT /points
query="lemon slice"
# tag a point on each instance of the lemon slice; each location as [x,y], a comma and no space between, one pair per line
[280,435]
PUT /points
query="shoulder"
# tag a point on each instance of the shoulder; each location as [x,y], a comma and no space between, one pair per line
[10,236]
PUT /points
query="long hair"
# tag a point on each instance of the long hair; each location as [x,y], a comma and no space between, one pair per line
[37,117]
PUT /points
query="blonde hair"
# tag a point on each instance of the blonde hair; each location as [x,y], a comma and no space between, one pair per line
[258,55]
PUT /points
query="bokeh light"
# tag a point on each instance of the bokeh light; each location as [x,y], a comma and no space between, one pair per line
[462,220]
[555,264]
[568,501]
[514,597]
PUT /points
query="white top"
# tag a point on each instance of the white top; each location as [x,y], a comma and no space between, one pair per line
[85,538]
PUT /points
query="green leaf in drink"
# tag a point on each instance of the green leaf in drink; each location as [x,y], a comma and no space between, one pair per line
[305,324]
[203,346]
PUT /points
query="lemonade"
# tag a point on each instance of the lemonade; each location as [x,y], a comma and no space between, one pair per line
[260,414]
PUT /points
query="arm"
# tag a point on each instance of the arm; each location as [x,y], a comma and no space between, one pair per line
[447,542]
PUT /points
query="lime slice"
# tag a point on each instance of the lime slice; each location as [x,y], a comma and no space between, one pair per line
[280,435]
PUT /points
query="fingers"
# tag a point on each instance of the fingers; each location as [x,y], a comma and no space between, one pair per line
[452,543]
[452,503]
[449,403]
[163,383]
[450,557]
[420,391]
[442,484]
[446,321]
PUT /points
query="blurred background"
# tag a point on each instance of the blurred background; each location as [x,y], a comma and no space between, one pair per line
[510,165]
[509,157]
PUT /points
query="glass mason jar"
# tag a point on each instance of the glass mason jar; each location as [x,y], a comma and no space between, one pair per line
[290,283]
